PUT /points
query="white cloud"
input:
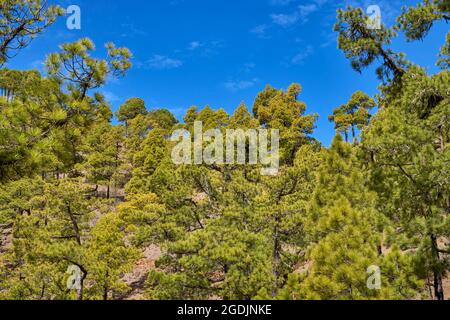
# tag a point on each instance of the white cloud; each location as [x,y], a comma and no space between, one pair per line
[280,2]
[300,57]
[238,85]
[300,14]
[249,66]
[160,62]
[285,20]
[329,39]
[195,45]
[131,31]
[204,48]
[260,31]
[110,96]
[307,10]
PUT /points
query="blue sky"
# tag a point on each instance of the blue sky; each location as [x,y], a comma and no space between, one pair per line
[222,52]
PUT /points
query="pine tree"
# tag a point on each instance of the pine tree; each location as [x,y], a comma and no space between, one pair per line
[416,22]
[48,239]
[406,144]
[408,148]
[103,152]
[342,222]
[75,66]
[131,109]
[283,111]
[363,45]
[53,231]
[354,115]
[323,227]
[21,21]
[34,123]
[230,227]
[110,256]
[345,231]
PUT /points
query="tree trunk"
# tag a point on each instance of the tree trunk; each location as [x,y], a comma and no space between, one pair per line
[42,292]
[438,287]
[441,139]
[81,289]
[105,293]
[276,257]
[106,287]
[429,285]
[76,229]
[380,250]
[276,263]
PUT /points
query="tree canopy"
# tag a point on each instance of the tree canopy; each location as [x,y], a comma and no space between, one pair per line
[84,195]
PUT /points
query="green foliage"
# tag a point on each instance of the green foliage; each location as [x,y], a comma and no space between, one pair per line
[131,109]
[103,150]
[354,115]
[82,72]
[444,61]
[363,45]
[408,144]
[278,109]
[416,22]
[34,122]
[109,257]
[53,232]
[223,231]
[21,21]
[343,222]
[226,229]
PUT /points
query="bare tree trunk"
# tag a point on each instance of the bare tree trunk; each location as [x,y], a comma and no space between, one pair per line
[105,293]
[42,295]
[76,229]
[81,289]
[438,287]
[429,285]
[276,263]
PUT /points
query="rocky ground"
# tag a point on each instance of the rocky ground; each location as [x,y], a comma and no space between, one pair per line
[5,238]
[136,279]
